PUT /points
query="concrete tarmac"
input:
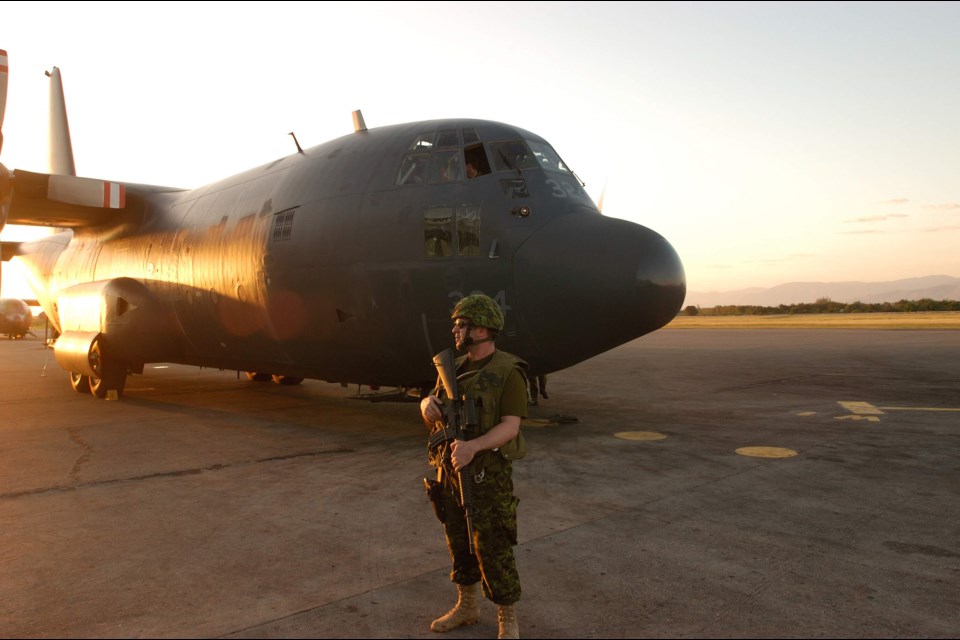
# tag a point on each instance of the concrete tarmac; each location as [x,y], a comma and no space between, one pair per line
[203,505]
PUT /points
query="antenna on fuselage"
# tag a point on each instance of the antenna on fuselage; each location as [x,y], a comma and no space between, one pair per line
[299,150]
[358,123]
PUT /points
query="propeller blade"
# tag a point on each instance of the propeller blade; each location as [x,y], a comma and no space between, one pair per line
[603,192]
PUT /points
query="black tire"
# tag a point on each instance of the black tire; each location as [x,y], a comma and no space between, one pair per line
[112,373]
[259,377]
[287,379]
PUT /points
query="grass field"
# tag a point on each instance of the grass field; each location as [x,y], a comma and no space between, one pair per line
[916,320]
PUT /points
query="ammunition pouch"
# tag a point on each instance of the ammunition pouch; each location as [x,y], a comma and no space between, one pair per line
[435,493]
[516,449]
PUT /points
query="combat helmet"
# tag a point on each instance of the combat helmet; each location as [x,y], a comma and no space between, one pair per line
[481,310]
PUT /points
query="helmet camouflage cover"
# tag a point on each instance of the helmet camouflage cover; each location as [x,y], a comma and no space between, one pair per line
[481,310]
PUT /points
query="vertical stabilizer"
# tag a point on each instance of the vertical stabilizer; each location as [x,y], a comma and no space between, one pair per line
[61,149]
[4,72]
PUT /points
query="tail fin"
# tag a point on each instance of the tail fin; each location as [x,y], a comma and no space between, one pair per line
[61,149]
[4,72]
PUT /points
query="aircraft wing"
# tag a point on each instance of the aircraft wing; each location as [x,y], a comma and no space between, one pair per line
[41,199]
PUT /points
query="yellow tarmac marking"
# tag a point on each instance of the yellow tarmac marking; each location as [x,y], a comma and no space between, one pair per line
[919,409]
[866,411]
[861,408]
[807,413]
[766,452]
[640,435]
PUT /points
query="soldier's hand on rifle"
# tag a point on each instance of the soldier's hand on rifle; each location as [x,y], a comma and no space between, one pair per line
[431,409]
[462,453]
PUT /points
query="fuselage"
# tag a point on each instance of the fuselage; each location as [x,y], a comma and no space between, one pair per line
[344,262]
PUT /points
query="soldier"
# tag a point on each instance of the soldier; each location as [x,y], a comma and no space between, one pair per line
[538,386]
[497,380]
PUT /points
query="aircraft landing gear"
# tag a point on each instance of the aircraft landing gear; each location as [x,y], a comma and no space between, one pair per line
[112,374]
[279,379]
[80,382]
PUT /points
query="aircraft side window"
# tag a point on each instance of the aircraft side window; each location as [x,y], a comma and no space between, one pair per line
[512,155]
[476,159]
[468,230]
[438,232]
[445,166]
[413,168]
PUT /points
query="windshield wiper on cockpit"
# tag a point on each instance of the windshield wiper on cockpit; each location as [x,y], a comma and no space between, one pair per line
[508,163]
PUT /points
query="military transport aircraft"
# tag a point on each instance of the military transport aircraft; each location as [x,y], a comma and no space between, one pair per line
[15,318]
[339,262]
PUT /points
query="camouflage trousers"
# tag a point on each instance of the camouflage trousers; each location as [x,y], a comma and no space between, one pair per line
[494,519]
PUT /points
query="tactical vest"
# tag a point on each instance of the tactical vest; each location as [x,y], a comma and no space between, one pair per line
[486,386]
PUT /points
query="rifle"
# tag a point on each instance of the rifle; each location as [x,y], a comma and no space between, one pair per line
[459,419]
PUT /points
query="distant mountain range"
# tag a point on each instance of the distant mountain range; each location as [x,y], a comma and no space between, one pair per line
[934,287]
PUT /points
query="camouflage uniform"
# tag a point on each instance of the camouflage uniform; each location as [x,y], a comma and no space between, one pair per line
[494,516]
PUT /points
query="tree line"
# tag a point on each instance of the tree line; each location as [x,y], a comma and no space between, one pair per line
[824,305]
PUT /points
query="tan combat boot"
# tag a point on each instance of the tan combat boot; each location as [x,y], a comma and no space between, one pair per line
[466,611]
[507,619]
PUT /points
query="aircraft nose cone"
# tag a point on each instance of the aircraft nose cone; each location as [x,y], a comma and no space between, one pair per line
[586,284]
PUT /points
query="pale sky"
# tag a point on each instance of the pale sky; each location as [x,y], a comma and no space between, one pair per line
[768,142]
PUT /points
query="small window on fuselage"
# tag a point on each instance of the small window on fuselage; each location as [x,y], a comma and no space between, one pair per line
[468,230]
[438,232]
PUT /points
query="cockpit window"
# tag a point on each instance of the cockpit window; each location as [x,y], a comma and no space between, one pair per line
[512,155]
[448,138]
[476,159]
[413,168]
[445,166]
[439,157]
[424,142]
[548,158]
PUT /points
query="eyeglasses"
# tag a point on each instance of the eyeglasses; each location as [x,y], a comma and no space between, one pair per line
[462,324]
